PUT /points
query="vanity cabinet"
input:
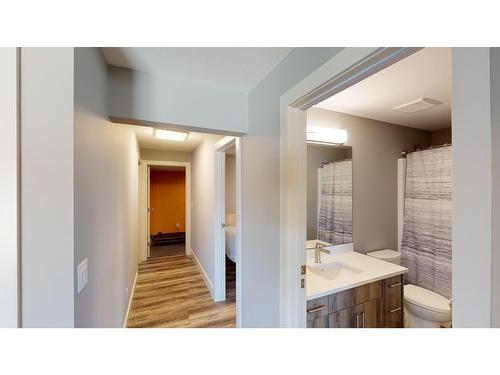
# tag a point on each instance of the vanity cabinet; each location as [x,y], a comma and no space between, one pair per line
[373,305]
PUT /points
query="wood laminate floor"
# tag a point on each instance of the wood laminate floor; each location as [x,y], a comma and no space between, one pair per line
[170,292]
[159,251]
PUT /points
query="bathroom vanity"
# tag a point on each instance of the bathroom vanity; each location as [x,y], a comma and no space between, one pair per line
[353,290]
[373,305]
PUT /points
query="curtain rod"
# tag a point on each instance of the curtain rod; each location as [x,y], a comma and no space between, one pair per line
[404,153]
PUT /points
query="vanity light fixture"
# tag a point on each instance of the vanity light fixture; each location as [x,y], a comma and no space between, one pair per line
[316,134]
[171,135]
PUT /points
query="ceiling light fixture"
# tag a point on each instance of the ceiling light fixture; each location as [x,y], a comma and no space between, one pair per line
[171,135]
[316,134]
[417,105]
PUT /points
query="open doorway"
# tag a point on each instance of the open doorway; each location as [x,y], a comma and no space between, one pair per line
[227,239]
[167,211]
[362,201]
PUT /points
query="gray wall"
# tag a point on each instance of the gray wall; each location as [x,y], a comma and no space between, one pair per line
[47,187]
[317,154]
[140,96]
[260,187]
[230,180]
[376,146]
[105,198]
[472,188]
[495,122]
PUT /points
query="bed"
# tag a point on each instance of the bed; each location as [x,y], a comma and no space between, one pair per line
[231,238]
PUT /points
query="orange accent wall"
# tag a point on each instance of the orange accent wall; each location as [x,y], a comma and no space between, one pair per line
[168,201]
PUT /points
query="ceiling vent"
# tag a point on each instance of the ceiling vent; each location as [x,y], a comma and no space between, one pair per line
[417,105]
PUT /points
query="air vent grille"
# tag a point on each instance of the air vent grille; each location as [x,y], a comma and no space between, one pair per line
[417,105]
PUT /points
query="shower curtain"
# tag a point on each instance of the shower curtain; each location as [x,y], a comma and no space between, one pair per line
[335,213]
[426,243]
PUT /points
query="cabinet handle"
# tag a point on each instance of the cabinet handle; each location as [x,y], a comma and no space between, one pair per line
[394,310]
[363,316]
[316,309]
[357,320]
[394,285]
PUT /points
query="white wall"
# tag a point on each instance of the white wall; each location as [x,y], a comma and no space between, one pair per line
[106,195]
[260,300]
[230,184]
[136,97]
[472,188]
[165,155]
[203,208]
[47,187]
[9,258]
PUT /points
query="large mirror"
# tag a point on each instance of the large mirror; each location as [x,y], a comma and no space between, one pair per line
[329,194]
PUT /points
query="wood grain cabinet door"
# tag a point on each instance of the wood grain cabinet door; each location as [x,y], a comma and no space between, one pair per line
[366,315]
[321,322]
[342,319]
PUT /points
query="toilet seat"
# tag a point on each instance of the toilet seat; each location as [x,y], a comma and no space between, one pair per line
[426,299]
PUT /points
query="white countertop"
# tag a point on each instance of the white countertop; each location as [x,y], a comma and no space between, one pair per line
[372,269]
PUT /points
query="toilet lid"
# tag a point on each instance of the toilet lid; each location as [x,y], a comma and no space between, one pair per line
[385,254]
[426,298]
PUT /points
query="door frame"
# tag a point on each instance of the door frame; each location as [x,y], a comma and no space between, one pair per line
[144,166]
[348,67]
[219,217]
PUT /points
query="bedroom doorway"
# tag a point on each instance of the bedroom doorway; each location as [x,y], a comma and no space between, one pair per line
[167,211]
[227,220]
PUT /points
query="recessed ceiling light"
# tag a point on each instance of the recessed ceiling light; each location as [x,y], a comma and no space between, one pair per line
[316,134]
[417,105]
[171,135]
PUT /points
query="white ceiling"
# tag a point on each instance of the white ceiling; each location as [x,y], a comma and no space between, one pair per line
[425,74]
[146,139]
[236,68]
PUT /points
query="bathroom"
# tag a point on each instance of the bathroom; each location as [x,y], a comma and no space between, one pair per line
[379,199]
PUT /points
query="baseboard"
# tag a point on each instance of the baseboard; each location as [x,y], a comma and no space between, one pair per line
[130,300]
[208,283]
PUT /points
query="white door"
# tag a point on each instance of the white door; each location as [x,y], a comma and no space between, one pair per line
[149,210]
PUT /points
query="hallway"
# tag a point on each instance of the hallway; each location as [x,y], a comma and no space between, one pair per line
[170,292]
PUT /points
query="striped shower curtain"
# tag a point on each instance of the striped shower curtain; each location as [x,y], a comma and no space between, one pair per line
[426,243]
[335,213]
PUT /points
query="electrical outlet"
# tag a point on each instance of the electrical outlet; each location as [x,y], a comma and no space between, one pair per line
[82,273]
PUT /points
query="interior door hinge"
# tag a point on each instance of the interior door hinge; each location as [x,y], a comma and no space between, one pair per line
[302,283]
[303,269]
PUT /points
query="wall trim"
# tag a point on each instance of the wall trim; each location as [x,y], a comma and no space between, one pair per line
[208,283]
[130,300]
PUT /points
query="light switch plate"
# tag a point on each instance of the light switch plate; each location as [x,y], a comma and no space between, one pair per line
[82,275]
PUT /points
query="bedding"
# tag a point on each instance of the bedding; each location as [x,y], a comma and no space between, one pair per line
[231,243]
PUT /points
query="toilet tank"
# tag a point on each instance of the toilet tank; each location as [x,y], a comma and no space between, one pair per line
[388,255]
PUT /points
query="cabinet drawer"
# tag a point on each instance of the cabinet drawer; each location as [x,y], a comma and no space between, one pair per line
[393,288]
[317,308]
[393,302]
[365,293]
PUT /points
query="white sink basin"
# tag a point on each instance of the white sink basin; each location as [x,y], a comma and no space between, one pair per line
[334,270]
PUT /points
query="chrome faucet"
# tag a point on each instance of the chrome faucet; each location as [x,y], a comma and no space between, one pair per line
[317,252]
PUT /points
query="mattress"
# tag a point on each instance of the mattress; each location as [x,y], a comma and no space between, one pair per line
[231,243]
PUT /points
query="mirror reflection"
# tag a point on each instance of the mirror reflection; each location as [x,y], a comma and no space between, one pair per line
[329,193]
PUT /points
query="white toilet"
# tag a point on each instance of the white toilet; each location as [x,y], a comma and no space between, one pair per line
[423,308]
